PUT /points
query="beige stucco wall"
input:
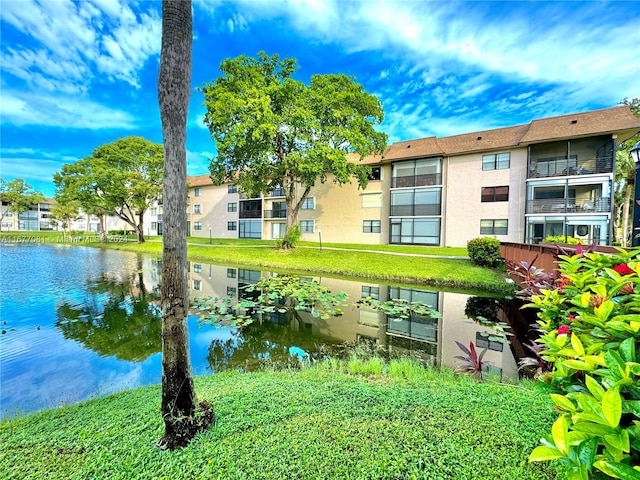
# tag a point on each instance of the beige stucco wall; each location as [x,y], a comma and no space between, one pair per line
[462,208]
[339,212]
[214,214]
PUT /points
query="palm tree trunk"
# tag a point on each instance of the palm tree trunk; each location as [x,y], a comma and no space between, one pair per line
[181,418]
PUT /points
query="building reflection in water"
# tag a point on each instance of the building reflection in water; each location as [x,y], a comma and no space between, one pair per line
[432,340]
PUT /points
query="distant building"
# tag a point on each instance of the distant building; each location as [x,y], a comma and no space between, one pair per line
[36,218]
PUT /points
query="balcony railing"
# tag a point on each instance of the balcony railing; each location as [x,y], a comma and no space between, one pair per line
[417,180]
[569,167]
[278,192]
[275,214]
[569,205]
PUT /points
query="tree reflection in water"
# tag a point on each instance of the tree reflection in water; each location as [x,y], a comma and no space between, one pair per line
[274,339]
[120,318]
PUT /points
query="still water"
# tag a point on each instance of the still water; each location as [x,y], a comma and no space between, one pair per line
[81,322]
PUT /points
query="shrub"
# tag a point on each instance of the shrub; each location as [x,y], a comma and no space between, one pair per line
[562,239]
[292,238]
[484,251]
[591,335]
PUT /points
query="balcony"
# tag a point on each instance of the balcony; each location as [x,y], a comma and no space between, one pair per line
[270,214]
[569,205]
[278,192]
[545,168]
[429,179]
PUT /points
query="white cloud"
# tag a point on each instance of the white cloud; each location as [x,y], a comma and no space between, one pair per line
[572,46]
[19,108]
[74,43]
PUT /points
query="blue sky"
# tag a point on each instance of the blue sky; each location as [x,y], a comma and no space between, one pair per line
[78,74]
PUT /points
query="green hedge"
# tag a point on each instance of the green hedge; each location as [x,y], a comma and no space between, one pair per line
[484,251]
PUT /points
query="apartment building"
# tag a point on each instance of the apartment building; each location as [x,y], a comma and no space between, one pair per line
[36,218]
[553,176]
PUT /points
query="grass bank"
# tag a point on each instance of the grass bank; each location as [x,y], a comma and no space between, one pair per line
[319,423]
[434,266]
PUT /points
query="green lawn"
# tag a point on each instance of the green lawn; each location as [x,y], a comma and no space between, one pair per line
[386,266]
[318,423]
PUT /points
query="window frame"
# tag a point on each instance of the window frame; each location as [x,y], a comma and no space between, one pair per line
[232,226]
[493,229]
[309,204]
[490,194]
[197,208]
[197,226]
[492,161]
[304,226]
[197,192]
[371,226]
[232,207]
[232,189]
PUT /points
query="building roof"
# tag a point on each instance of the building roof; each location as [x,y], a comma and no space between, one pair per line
[199,180]
[421,147]
[617,120]
[609,120]
[484,140]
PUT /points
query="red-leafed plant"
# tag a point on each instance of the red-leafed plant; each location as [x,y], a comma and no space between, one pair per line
[472,360]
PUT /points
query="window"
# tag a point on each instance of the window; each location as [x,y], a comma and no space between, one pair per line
[496,161]
[418,202]
[485,340]
[371,226]
[250,229]
[197,268]
[495,194]
[421,231]
[197,225]
[197,208]
[373,292]
[307,226]
[154,211]
[375,173]
[494,227]
[414,173]
[232,226]
[251,209]
[309,203]
[197,285]
[231,273]
[197,192]
[232,207]
[231,292]
[232,189]
[154,225]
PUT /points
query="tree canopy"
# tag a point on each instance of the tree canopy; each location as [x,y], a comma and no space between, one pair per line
[122,177]
[18,195]
[272,131]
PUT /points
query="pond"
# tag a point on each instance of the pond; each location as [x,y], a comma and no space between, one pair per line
[80,322]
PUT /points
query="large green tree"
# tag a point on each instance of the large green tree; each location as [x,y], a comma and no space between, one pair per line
[16,197]
[272,131]
[625,177]
[122,178]
[182,419]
